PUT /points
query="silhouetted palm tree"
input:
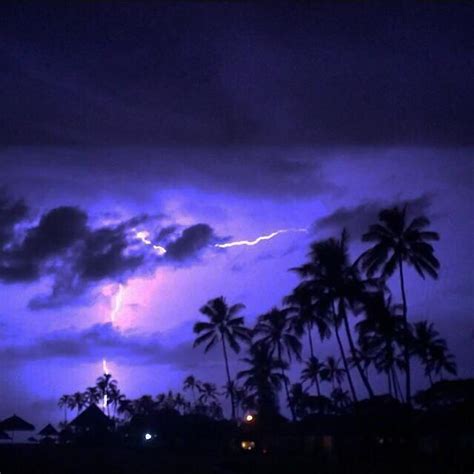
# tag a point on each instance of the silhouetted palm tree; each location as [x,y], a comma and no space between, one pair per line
[332,372]
[398,242]
[341,399]
[106,385]
[190,383]
[299,400]
[381,338]
[77,401]
[64,402]
[337,287]
[275,332]
[304,315]
[208,393]
[432,350]
[224,325]
[312,373]
[263,378]
[92,395]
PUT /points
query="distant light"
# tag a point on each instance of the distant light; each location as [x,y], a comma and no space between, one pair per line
[148,436]
[247,445]
[249,418]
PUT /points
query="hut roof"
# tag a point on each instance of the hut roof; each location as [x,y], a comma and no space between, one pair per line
[15,423]
[91,417]
[48,430]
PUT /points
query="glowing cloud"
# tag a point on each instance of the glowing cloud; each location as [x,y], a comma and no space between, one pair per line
[262,238]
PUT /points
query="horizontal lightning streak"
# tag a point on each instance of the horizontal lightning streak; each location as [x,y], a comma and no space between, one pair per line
[258,239]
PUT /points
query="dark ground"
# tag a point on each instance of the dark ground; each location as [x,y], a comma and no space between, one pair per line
[26,459]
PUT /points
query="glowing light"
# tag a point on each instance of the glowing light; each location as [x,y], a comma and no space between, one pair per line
[104,367]
[256,241]
[247,445]
[148,436]
[249,418]
[117,305]
[144,237]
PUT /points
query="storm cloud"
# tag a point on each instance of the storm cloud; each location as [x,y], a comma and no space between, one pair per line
[76,256]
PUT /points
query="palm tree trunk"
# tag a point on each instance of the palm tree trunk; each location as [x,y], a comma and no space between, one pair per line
[389,382]
[363,376]
[406,351]
[229,381]
[343,355]
[318,388]
[310,338]
[396,383]
[285,382]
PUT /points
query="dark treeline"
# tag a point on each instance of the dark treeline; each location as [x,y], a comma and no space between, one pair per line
[332,289]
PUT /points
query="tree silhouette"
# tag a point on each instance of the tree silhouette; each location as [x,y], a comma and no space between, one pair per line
[332,372]
[64,402]
[263,378]
[275,332]
[224,325]
[312,373]
[190,383]
[337,287]
[432,350]
[398,242]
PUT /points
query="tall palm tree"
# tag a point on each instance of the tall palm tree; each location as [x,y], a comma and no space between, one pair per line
[337,287]
[105,385]
[399,242]
[263,378]
[275,332]
[191,383]
[432,350]
[304,315]
[332,372]
[92,395]
[312,373]
[64,402]
[78,401]
[381,337]
[223,325]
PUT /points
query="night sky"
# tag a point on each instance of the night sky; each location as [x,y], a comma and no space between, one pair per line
[202,124]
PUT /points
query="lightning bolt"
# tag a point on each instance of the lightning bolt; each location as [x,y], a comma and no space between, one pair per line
[144,237]
[256,241]
[116,307]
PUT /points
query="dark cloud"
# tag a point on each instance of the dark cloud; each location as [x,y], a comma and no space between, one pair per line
[129,347]
[168,73]
[190,242]
[77,257]
[358,218]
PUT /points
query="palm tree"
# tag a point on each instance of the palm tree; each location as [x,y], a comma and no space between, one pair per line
[304,316]
[92,395]
[398,242]
[381,337]
[208,393]
[299,400]
[432,350]
[275,331]
[106,385]
[263,378]
[78,401]
[191,383]
[337,287]
[332,372]
[64,402]
[312,373]
[223,325]
[341,399]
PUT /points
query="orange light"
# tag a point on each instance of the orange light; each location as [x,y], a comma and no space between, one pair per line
[247,445]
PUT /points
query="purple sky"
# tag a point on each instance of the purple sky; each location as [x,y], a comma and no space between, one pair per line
[203,124]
